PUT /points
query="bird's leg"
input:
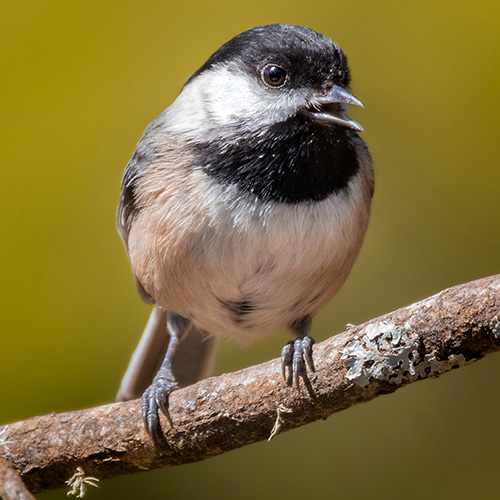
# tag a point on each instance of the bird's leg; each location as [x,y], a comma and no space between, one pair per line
[156,395]
[296,356]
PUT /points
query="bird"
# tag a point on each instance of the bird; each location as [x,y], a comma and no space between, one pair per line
[243,209]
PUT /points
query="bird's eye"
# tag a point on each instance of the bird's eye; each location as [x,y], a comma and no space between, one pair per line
[273,75]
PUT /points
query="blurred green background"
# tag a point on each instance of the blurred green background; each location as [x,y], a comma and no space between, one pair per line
[81,80]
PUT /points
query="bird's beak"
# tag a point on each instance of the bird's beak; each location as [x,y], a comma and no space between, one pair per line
[328,108]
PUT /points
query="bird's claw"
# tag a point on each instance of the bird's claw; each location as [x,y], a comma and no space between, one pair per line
[296,359]
[155,398]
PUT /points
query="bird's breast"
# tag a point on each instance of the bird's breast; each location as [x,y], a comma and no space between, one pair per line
[240,267]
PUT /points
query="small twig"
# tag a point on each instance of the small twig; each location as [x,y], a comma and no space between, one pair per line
[11,484]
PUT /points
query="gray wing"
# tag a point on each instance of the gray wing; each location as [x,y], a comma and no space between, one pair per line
[138,164]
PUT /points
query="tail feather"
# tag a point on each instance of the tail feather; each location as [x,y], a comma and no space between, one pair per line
[193,360]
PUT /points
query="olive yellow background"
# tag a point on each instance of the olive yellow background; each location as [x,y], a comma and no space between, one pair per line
[79,82]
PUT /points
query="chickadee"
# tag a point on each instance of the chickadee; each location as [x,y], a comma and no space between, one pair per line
[243,208]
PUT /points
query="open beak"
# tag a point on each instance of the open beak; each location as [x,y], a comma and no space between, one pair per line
[328,108]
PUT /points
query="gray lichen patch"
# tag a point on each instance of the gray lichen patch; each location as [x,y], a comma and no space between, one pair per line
[389,352]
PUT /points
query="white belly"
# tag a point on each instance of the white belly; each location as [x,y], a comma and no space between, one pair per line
[242,268]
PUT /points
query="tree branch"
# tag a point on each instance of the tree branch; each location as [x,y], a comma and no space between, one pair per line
[448,330]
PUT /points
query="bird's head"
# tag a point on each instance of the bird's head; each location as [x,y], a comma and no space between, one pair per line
[262,77]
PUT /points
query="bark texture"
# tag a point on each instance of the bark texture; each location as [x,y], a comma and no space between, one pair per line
[11,484]
[453,328]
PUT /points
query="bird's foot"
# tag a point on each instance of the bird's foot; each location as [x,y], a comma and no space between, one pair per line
[296,359]
[155,398]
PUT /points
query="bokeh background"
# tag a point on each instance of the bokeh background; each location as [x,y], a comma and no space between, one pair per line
[80,81]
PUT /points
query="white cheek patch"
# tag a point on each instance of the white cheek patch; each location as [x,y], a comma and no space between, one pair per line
[224,100]
[228,98]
